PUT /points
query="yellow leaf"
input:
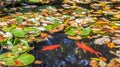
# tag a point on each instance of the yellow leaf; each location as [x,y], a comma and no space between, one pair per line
[103,59]
[117,15]
[110,44]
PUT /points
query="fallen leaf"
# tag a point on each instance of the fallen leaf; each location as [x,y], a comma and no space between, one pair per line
[110,44]
[103,59]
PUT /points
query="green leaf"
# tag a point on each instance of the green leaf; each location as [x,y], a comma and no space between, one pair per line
[55,24]
[80,10]
[9,43]
[9,62]
[8,57]
[16,41]
[18,49]
[85,31]
[25,43]
[32,1]
[31,29]
[18,32]
[26,59]
[6,29]
[70,31]
[19,19]
[48,27]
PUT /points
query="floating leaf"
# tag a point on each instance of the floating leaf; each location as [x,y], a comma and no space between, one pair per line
[33,31]
[85,31]
[19,49]
[26,59]
[110,44]
[34,1]
[2,38]
[6,29]
[19,19]
[48,27]
[55,24]
[103,59]
[102,63]
[8,58]
[97,59]
[25,43]
[18,63]
[71,31]
[18,32]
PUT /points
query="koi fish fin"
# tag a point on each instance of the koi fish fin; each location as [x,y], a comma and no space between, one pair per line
[84,51]
[97,54]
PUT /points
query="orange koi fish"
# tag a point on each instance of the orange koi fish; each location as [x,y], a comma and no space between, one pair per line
[86,48]
[47,48]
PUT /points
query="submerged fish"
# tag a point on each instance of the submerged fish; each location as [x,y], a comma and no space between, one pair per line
[47,48]
[86,48]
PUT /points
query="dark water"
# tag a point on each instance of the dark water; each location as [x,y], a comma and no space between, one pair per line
[65,57]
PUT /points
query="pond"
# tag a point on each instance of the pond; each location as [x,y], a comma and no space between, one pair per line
[60,33]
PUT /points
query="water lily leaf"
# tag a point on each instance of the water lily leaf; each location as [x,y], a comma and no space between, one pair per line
[34,1]
[19,49]
[19,19]
[33,20]
[102,63]
[18,32]
[85,31]
[55,24]
[48,27]
[80,10]
[71,31]
[35,31]
[16,41]
[8,58]
[9,61]
[26,59]
[6,29]
[25,43]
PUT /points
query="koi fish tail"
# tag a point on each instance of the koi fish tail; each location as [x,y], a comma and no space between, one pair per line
[98,54]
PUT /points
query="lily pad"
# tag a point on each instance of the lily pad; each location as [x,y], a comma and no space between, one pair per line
[6,29]
[18,32]
[71,31]
[35,31]
[85,31]
[8,58]
[19,49]
[26,59]
[33,1]
[19,19]
[48,27]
